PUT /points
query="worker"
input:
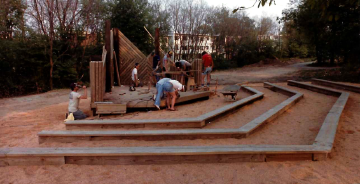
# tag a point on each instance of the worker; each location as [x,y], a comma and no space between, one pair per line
[183,65]
[208,64]
[167,63]
[171,88]
[134,77]
[74,98]
[156,66]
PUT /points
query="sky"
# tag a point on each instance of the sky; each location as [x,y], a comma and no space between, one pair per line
[272,11]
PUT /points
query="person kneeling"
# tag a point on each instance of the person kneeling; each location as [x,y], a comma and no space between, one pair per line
[74,98]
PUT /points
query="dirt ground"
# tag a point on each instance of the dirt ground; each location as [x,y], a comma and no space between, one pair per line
[23,117]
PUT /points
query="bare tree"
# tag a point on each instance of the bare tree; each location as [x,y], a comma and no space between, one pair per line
[52,17]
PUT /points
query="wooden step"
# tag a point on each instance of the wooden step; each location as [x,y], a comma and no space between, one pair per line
[71,136]
[157,155]
[336,85]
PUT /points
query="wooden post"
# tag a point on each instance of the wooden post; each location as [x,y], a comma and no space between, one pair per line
[117,69]
[109,64]
[117,50]
[157,42]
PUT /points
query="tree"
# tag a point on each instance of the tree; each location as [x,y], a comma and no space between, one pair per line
[130,16]
[11,17]
[333,28]
[260,3]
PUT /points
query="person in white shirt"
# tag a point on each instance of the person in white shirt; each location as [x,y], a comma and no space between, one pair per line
[134,75]
[74,98]
[171,87]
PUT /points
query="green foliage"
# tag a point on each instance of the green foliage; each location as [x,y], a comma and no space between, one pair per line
[24,65]
[130,16]
[11,17]
[332,28]
[220,63]
[251,51]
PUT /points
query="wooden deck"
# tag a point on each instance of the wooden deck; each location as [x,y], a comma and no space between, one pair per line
[142,98]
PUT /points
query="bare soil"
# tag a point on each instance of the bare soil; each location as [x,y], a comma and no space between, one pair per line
[23,117]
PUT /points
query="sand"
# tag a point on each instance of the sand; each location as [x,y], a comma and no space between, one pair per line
[23,117]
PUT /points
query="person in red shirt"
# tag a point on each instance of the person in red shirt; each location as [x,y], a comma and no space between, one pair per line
[208,64]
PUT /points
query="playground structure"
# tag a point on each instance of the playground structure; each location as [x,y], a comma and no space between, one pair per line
[119,57]
[102,82]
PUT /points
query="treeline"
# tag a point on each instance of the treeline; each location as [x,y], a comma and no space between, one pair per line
[329,30]
[46,44]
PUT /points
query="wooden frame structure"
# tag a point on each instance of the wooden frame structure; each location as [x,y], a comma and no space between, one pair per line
[187,154]
[242,132]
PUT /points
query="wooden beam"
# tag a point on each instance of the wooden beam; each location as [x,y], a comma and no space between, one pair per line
[336,85]
[110,108]
[108,56]
[157,42]
[157,155]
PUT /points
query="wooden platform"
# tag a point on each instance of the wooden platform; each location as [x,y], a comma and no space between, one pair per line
[186,154]
[336,85]
[70,136]
[142,98]
[197,122]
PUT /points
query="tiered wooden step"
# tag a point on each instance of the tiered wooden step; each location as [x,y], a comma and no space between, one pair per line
[70,136]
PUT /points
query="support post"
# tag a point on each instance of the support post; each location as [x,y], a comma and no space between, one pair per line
[109,64]
[157,41]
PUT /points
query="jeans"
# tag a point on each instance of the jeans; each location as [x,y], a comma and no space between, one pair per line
[79,115]
[162,86]
[207,70]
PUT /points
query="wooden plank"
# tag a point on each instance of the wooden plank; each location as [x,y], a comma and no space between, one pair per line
[32,160]
[144,160]
[97,83]
[117,69]
[288,157]
[171,150]
[108,79]
[318,89]
[155,123]
[92,81]
[336,85]
[159,155]
[111,109]
[327,133]
[320,156]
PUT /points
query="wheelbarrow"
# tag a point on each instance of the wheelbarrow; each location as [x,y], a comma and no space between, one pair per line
[230,91]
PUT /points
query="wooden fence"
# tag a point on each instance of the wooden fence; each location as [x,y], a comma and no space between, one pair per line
[197,65]
[98,79]
[128,55]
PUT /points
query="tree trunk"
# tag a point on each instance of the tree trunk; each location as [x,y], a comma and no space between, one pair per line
[51,64]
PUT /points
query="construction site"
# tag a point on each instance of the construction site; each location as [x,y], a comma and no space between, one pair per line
[293,127]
